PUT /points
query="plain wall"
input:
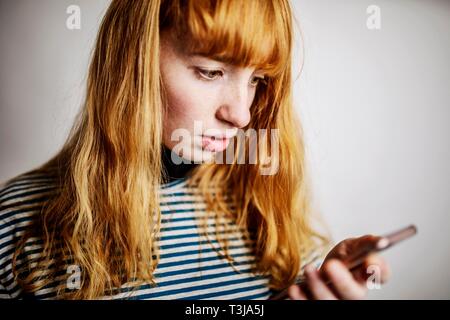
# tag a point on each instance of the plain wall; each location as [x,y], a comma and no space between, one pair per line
[374,105]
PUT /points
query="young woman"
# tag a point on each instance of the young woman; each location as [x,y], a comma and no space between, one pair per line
[114,216]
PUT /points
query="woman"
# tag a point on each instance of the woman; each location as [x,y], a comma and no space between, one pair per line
[114,215]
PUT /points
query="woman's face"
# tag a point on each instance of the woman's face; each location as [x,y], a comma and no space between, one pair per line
[205,98]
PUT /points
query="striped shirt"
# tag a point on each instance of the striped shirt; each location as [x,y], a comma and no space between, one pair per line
[189,267]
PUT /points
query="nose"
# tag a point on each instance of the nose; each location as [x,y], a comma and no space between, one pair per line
[235,109]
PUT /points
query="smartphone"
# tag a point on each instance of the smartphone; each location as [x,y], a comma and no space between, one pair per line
[357,258]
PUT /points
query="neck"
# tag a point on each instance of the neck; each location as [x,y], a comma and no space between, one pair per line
[172,170]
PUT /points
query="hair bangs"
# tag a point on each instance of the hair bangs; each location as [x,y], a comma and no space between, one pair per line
[242,33]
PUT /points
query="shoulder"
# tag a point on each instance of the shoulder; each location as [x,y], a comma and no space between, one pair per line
[21,199]
[23,193]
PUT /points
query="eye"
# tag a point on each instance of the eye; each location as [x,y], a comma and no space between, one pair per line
[209,74]
[258,81]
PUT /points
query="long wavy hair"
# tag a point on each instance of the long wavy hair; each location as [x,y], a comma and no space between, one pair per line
[105,216]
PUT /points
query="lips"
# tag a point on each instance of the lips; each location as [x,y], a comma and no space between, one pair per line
[214,144]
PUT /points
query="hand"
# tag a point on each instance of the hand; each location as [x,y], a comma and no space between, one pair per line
[334,280]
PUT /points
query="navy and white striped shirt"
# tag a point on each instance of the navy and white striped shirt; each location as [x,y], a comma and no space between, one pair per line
[189,268]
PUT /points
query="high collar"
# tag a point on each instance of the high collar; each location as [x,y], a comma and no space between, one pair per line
[174,171]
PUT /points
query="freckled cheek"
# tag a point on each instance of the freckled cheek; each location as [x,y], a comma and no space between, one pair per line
[179,116]
[186,105]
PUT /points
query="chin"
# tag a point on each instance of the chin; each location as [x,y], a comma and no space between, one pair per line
[202,156]
[191,154]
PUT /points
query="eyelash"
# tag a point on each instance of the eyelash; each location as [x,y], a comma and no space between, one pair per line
[201,75]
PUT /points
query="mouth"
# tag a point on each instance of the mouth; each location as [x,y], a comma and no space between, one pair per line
[215,143]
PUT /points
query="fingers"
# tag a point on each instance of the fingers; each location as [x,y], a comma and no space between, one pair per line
[374,266]
[295,293]
[317,287]
[336,281]
[345,285]
[375,260]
